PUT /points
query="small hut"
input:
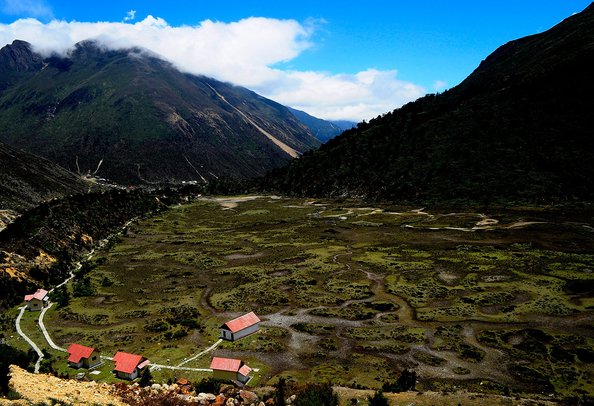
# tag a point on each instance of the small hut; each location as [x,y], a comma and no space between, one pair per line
[83,357]
[240,327]
[227,369]
[37,300]
[129,366]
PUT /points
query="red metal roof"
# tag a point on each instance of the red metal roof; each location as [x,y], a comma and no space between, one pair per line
[127,362]
[242,322]
[40,294]
[245,370]
[225,364]
[77,352]
[143,364]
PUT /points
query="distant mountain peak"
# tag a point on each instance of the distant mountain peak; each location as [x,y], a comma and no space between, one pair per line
[19,57]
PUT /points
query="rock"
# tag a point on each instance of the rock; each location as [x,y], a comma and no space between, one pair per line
[248,397]
[220,401]
[206,396]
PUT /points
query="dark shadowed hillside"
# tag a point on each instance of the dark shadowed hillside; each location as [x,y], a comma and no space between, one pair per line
[26,180]
[519,128]
[129,116]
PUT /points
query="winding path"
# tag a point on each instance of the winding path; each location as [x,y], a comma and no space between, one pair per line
[58,348]
[28,340]
[44,330]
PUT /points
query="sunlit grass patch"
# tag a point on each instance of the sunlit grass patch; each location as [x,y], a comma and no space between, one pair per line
[366,223]
[419,294]
[396,333]
[429,359]
[348,289]
[254,212]
[314,329]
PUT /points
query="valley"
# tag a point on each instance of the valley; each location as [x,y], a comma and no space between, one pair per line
[491,300]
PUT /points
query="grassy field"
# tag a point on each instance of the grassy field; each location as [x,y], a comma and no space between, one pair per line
[499,300]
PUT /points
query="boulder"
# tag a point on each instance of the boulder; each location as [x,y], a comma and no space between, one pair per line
[248,397]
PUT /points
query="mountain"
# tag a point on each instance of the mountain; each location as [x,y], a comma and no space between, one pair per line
[518,129]
[344,124]
[130,116]
[26,180]
[323,130]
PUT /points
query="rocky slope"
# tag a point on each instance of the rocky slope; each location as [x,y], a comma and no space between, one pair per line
[46,389]
[131,117]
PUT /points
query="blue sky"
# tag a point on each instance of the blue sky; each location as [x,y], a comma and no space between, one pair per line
[335,60]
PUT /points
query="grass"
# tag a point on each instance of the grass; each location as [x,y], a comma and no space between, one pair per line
[362,293]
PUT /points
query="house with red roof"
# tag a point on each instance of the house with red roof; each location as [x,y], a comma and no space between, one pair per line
[82,357]
[129,366]
[37,300]
[227,369]
[240,327]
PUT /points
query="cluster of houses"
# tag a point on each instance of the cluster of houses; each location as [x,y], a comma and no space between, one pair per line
[130,366]
[127,366]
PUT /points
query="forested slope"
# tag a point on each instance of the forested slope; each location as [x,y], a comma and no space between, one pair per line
[518,129]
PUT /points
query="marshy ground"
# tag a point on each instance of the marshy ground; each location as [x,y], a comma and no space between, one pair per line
[493,300]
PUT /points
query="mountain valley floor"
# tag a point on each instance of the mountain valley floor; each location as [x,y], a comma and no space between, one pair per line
[489,300]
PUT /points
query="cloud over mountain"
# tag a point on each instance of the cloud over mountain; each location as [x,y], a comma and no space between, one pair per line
[243,52]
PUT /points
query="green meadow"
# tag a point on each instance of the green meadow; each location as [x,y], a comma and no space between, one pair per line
[349,293]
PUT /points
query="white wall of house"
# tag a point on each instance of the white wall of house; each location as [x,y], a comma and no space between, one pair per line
[75,365]
[228,335]
[131,376]
[243,378]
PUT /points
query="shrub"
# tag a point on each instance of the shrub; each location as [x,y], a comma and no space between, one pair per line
[208,385]
[316,395]
[279,393]
[145,378]
[378,399]
[82,288]
[391,387]
[61,296]
[407,380]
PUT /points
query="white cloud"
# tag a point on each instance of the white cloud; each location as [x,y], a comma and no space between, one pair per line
[439,85]
[352,97]
[130,15]
[29,8]
[240,52]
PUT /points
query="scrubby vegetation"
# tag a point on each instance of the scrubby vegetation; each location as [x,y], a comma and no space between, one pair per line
[347,303]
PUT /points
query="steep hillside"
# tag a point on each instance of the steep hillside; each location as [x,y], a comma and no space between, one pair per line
[323,130]
[26,180]
[38,248]
[517,129]
[129,116]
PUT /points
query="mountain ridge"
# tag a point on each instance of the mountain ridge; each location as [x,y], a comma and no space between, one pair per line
[516,130]
[144,119]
